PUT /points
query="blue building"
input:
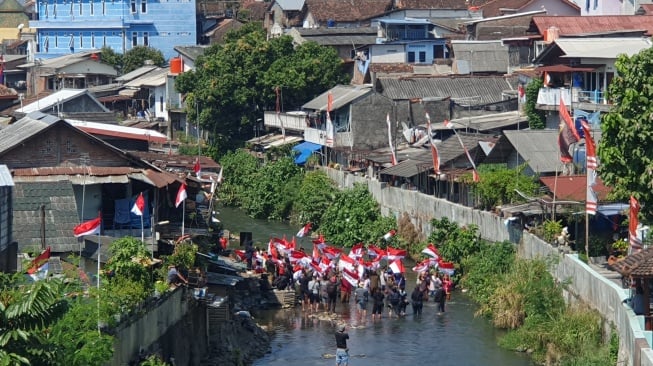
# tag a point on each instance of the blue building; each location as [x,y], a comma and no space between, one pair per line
[410,41]
[68,26]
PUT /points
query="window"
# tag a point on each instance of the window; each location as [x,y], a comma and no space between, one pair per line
[132,4]
[71,42]
[81,40]
[92,40]
[422,56]
[143,6]
[47,147]
[104,39]
[104,7]
[46,9]
[411,57]
[46,44]
[146,39]
[134,39]
[56,40]
[54,10]
[161,103]
[72,11]
[92,10]
[70,147]
[81,11]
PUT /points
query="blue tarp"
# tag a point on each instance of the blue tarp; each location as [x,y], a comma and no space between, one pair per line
[305,150]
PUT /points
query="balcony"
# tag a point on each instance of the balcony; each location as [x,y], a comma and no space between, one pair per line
[295,121]
[549,99]
[403,35]
[318,136]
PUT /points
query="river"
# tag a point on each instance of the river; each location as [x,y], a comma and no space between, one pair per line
[454,338]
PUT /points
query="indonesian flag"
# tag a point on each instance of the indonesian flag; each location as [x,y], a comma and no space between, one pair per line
[181,195]
[316,251]
[590,147]
[139,205]
[272,249]
[591,199]
[375,252]
[240,254]
[568,134]
[320,243]
[431,251]
[521,94]
[357,251]
[372,265]
[346,262]
[331,252]
[296,255]
[350,276]
[446,267]
[422,266]
[197,168]
[434,150]
[393,157]
[38,269]
[304,230]
[448,124]
[282,245]
[394,254]
[90,227]
[389,235]
[397,266]
[325,264]
[635,242]
[316,267]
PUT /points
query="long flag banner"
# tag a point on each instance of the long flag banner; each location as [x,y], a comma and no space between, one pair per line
[330,130]
[568,134]
[591,200]
[633,222]
[434,150]
[393,157]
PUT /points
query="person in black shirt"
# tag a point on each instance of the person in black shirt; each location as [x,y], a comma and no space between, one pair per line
[342,352]
[417,296]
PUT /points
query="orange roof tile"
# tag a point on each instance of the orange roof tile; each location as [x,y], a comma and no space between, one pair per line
[573,187]
[594,24]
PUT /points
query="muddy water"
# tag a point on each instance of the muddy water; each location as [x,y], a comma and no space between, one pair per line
[455,337]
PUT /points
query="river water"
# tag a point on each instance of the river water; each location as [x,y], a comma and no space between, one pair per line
[454,338]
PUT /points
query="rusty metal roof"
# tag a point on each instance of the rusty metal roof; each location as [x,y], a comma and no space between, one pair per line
[638,265]
[579,25]
[95,174]
[574,187]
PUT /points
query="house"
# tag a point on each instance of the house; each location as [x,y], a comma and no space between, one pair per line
[8,247]
[69,103]
[538,149]
[497,8]
[342,14]
[75,71]
[215,34]
[412,41]
[286,13]
[505,26]
[483,57]
[150,93]
[69,27]
[189,55]
[609,7]
[579,70]
[64,175]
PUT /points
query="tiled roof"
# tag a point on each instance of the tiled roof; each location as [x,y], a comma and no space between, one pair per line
[645,9]
[257,10]
[579,25]
[399,68]
[638,265]
[574,187]
[346,10]
[60,209]
[483,90]
[493,8]
[435,4]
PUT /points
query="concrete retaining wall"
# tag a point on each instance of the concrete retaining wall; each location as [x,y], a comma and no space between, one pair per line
[585,284]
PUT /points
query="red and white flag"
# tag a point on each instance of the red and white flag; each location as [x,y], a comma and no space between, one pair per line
[446,267]
[389,235]
[320,242]
[434,150]
[330,130]
[139,205]
[568,134]
[375,252]
[219,180]
[304,230]
[591,199]
[633,222]
[350,276]
[38,269]
[521,94]
[90,227]
[393,157]
[296,255]
[357,251]
[346,262]
[448,124]
[431,251]
[197,168]
[397,266]
[325,264]
[181,195]
[394,254]
[331,252]
[422,266]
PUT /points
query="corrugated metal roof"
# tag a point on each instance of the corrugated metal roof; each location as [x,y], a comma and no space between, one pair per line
[290,5]
[60,96]
[407,168]
[152,78]
[119,131]
[471,90]
[450,149]
[601,47]
[135,73]
[539,148]
[578,25]
[486,122]
[5,177]
[335,40]
[482,56]
[342,95]
[24,128]
[408,21]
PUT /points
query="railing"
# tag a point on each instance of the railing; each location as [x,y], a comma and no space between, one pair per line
[551,96]
[394,35]
[290,120]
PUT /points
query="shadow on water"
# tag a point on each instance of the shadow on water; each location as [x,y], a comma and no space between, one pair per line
[453,338]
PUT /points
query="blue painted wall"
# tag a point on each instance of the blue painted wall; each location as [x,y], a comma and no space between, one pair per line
[66,27]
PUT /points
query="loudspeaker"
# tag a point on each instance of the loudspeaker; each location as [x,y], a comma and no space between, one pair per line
[246,238]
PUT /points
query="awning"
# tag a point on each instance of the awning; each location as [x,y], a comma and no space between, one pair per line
[568,68]
[305,150]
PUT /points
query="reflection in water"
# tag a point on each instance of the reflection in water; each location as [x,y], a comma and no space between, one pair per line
[453,338]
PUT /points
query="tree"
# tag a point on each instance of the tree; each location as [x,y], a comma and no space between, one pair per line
[536,117]
[499,185]
[234,82]
[129,258]
[316,193]
[111,57]
[272,192]
[26,312]
[626,146]
[136,57]
[239,170]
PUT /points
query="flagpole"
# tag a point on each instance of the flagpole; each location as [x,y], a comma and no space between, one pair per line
[183,217]
[99,247]
[142,228]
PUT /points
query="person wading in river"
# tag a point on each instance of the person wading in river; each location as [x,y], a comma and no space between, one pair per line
[342,352]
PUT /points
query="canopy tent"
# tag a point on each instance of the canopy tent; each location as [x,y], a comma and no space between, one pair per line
[305,150]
